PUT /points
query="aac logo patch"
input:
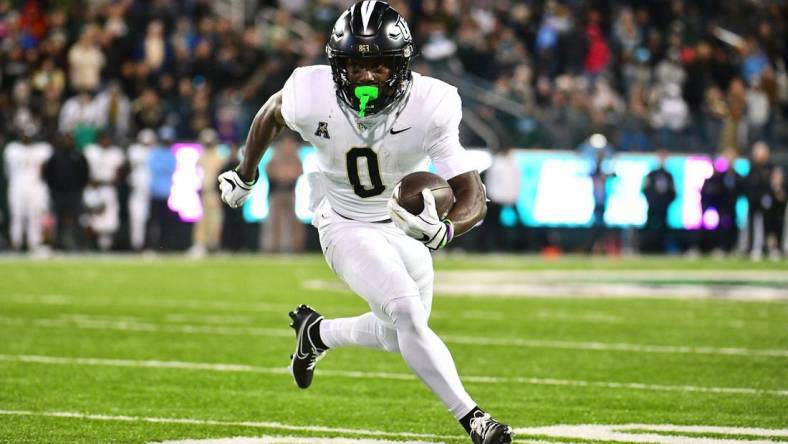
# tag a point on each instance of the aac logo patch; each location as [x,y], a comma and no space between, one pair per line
[322,130]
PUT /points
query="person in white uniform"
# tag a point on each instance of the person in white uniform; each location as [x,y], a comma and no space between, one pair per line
[101,196]
[139,182]
[373,121]
[27,193]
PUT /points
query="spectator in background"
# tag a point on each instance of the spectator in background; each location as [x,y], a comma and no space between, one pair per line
[758,111]
[114,111]
[775,219]
[502,180]
[699,79]
[598,54]
[50,112]
[162,166]
[27,193]
[85,61]
[759,197]
[80,116]
[207,231]
[754,60]
[734,125]
[154,50]
[719,194]
[22,114]
[660,191]
[105,161]
[47,76]
[670,116]
[66,174]
[626,32]
[148,110]
[283,231]
[140,182]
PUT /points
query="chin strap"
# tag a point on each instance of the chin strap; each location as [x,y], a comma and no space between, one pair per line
[364,94]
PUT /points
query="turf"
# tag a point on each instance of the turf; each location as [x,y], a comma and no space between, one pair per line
[233,310]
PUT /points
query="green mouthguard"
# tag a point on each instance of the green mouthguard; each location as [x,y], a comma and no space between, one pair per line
[364,94]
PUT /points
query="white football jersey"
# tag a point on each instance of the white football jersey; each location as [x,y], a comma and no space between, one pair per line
[104,163]
[23,163]
[361,159]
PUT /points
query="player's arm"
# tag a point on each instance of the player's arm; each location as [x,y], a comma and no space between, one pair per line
[236,185]
[470,204]
[265,126]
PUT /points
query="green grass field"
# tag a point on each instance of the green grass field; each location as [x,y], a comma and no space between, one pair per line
[128,349]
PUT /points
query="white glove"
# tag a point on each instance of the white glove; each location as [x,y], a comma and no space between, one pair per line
[235,191]
[425,227]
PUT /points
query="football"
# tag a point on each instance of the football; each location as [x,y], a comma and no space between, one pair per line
[410,198]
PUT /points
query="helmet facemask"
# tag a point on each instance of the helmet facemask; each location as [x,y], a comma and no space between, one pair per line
[390,91]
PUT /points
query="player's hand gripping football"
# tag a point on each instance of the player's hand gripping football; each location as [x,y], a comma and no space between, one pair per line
[425,227]
[235,191]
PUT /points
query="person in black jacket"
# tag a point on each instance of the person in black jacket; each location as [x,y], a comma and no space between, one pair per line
[720,193]
[660,191]
[759,198]
[66,175]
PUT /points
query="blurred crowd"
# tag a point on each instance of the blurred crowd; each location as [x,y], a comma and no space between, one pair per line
[92,92]
[681,75]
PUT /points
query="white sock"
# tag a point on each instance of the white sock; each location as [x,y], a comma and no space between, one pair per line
[365,331]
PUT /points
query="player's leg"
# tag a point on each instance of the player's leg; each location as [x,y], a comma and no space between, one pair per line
[425,352]
[138,217]
[361,255]
[366,330]
[36,206]
[368,258]
[346,245]
[16,208]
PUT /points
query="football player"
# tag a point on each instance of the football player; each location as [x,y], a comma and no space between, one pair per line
[27,192]
[372,121]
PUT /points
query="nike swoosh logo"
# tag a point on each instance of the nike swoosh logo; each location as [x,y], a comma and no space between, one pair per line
[400,131]
[231,183]
[424,238]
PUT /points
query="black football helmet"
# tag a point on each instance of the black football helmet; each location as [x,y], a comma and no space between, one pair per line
[369,29]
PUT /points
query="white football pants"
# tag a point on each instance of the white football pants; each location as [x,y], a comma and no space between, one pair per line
[393,273]
[139,209]
[27,203]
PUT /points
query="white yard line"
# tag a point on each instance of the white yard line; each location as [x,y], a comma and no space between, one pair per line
[210,422]
[598,290]
[105,323]
[674,434]
[62,299]
[614,346]
[287,440]
[492,276]
[498,287]
[221,367]
[632,433]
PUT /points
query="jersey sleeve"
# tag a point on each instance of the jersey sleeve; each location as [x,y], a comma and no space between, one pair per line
[289,102]
[443,138]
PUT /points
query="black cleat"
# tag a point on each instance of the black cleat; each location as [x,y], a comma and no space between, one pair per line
[303,361]
[485,430]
